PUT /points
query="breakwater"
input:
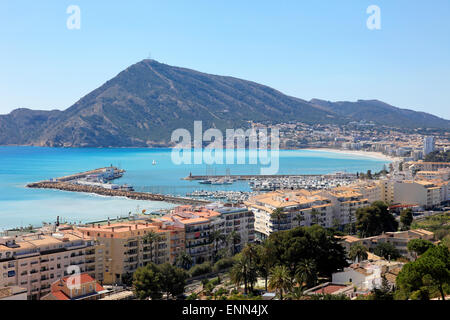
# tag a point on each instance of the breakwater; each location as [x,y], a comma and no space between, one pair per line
[64,186]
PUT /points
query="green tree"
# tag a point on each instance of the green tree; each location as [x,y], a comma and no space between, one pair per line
[127,279]
[299,219]
[387,251]
[384,292]
[146,282]
[358,251]
[153,280]
[233,239]
[172,280]
[280,280]
[250,253]
[243,272]
[374,220]
[216,237]
[431,271]
[183,260]
[419,246]
[307,273]
[264,263]
[277,215]
[290,247]
[315,216]
[150,238]
[406,218]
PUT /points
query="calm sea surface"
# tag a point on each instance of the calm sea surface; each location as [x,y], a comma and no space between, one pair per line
[20,206]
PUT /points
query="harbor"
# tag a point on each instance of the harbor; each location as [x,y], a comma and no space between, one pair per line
[259,184]
[97,182]
[275,182]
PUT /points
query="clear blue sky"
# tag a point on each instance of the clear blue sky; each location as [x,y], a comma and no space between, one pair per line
[307,49]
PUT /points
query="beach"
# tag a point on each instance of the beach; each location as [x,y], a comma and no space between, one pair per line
[371,154]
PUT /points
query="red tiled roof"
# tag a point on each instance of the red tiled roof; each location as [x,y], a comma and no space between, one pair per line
[59,295]
[57,292]
[329,289]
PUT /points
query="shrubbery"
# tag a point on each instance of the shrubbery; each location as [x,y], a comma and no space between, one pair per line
[223,264]
[200,269]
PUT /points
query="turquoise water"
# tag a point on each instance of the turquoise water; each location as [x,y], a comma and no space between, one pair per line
[20,206]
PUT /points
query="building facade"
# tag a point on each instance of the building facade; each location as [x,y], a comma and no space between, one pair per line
[34,261]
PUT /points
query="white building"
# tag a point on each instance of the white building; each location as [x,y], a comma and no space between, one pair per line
[366,275]
[428,145]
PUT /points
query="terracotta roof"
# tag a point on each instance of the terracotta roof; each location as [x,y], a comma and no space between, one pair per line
[58,293]
[5,292]
[329,289]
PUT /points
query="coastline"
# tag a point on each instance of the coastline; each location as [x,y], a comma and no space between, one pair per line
[370,154]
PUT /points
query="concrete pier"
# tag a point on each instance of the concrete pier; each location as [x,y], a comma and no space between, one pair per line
[66,184]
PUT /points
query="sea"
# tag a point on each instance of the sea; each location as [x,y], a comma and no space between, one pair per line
[149,170]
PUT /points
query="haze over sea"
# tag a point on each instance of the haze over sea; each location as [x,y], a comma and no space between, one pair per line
[20,206]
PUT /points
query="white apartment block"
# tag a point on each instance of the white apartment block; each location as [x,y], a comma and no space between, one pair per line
[346,200]
[415,192]
[428,145]
[300,208]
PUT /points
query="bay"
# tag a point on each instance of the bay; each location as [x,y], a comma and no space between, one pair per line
[20,206]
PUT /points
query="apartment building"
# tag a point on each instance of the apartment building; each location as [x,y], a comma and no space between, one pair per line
[372,191]
[127,247]
[34,261]
[441,174]
[425,166]
[346,200]
[202,225]
[300,208]
[424,193]
[240,222]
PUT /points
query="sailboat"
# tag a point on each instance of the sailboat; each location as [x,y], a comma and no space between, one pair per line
[154,162]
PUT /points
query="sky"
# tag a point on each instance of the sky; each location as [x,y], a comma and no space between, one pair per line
[307,49]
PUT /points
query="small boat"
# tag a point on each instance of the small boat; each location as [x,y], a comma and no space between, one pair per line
[154,162]
[205,182]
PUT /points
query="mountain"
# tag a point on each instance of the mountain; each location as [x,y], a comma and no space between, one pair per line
[382,113]
[143,104]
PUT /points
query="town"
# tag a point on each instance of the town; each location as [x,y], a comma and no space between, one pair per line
[344,241]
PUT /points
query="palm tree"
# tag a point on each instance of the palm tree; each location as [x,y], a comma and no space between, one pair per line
[184,260]
[239,273]
[264,263]
[315,216]
[250,254]
[307,273]
[358,251]
[280,280]
[232,239]
[278,215]
[215,237]
[150,238]
[299,218]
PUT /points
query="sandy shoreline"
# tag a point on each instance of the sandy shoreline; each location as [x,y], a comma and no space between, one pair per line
[371,154]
